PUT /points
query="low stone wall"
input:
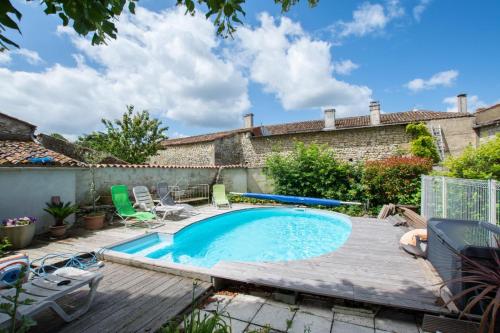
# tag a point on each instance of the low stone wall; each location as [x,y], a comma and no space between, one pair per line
[26,190]
[235,179]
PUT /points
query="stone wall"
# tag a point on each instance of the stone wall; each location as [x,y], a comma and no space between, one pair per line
[228,151]
[458,133]
[488,132]
[199,154]
[12,128]
[350,145]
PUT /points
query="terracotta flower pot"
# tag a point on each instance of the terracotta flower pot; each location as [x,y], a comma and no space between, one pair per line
[20,236]
[95,221]
[58,231]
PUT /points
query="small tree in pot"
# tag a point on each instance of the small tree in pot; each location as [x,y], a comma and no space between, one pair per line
[95,219]
[59,211]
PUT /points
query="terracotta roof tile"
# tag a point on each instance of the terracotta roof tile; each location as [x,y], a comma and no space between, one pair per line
[17,153]
[318,125]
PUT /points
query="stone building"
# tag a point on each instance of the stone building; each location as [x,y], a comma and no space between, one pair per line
[372,136]
[487,122]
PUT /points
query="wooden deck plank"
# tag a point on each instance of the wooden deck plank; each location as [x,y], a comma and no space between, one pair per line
[126,296]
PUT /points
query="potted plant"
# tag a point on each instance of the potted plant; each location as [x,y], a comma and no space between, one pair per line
[95,219]
[19,231]
[59,211]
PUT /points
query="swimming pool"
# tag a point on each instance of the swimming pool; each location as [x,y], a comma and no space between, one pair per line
[249,235]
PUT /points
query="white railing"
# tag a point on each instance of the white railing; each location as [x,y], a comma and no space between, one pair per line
[462,199]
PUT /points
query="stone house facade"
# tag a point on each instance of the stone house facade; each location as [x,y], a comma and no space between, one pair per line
[369,137]
[487,122]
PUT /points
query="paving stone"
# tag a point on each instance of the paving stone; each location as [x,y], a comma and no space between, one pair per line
[304,322]
[221,302]
[319,311]
[273,315]
[343,327]
[353,319]
[393,321]
[256,328]
[237,326]
[244,307]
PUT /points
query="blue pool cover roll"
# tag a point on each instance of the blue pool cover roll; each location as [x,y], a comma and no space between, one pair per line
[294,200]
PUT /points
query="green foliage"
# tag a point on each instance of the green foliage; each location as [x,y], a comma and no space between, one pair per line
[13,304]
[4,246]
[98,17]
[482,162]
[60,211]
[58,136]
[313,171]
[134,138]
[395,180]
[422,144]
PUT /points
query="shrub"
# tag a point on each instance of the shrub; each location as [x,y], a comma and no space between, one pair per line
[476,163]
[395,180]
[422,144]
[313,171]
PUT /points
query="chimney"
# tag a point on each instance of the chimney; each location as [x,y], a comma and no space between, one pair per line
[462,103]
[374,113]
[329,119]
[248,119]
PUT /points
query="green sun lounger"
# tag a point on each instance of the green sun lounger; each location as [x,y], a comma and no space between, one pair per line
[124,208]
[219,197]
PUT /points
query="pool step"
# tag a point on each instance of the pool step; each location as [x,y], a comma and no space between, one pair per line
[152,249]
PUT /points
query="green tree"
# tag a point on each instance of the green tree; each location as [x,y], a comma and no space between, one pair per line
[133,138]
[422,143]
[97,17]
[482,162]
[313,171]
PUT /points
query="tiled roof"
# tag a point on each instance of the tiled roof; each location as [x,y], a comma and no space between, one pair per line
[161,166]
[206,137]
[487,108]
[318,125]
[17,153]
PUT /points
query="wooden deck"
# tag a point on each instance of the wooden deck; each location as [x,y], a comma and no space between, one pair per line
[128,300]
[369,268]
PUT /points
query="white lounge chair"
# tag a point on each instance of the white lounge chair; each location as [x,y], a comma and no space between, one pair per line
[144,200]
[45,291]
[165,196]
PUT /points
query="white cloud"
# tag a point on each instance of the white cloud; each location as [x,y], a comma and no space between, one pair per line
[445,78]
[32,57]
[344,67]
[166,62]
[5,57]
[419,9]
[295,68]
[369,18]
[473,103]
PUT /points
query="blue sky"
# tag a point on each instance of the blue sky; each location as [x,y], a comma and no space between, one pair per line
[406,54]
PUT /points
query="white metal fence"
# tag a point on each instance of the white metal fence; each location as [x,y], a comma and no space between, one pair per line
[463,199]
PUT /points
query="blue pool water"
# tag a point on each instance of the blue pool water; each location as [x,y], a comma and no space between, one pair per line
[261,234]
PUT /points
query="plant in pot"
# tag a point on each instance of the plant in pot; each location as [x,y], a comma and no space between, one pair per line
[481,290]
[95,219]
[59,211]
[19,231]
